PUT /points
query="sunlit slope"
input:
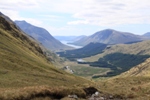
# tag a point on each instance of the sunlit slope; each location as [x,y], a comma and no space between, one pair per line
[132,84]
[140,48]
[22,62]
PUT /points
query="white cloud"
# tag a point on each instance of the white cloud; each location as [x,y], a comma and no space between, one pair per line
[12,8]
[49,17]
[18,4]
[114,12]
[93,12]
[78,22]
[14,15]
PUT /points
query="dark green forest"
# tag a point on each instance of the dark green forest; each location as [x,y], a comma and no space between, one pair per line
[87,51]
[119,62]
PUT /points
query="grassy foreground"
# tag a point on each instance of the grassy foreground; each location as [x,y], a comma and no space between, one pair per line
[133,84]
[41,92]
[134,88]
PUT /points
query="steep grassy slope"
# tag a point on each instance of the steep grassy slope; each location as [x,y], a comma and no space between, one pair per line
[42,35]
[133,84]
[24,68]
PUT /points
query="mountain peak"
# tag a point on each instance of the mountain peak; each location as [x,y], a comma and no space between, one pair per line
[111,31]
[108,29]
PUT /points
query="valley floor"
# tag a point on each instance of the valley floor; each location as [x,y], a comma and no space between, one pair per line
[85,70]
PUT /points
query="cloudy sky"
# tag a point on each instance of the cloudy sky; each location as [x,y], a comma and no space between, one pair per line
[81,17]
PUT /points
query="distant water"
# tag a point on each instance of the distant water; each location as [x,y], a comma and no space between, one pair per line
[66,43]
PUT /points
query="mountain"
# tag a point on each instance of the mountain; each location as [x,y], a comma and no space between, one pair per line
[26,73]
[109,36]
[147,34]
[42,35]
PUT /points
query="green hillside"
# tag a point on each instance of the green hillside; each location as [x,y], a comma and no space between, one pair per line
[140,48]
[120,57]
[26,73]
[131,85]
[143,69]
[119,62]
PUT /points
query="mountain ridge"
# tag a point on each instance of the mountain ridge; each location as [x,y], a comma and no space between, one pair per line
[110,36]
[147,34]
[42,35]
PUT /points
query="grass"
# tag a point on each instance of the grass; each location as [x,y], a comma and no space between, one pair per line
[140,48]
[133,84]
[31,93]
[85,70]
[136,88]
[142,69]
[25,69]
[26,74]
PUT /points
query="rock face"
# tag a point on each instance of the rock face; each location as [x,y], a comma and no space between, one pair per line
[42,35]
[110,36]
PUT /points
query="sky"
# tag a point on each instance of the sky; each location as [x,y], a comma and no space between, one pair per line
[81,17]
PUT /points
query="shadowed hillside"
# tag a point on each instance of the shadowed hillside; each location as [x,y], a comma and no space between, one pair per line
[142,69]
[88,50]
[42,35]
